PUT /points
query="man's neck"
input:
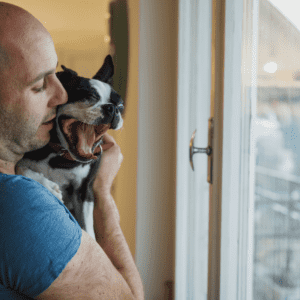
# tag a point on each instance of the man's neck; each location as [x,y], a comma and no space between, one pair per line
[7,167]
[8,160]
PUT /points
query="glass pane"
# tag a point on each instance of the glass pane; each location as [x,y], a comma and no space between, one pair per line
[276,272]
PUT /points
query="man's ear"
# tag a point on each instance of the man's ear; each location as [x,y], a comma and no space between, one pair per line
[106,72]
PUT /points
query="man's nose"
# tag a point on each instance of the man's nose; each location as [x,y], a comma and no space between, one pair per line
[61,94]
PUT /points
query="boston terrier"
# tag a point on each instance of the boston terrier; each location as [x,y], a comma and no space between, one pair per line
[67,165]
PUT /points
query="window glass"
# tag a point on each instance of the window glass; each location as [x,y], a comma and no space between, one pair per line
[276,272]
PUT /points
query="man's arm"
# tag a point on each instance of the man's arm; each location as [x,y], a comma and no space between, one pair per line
[89,275]
[111,239]
[107,228]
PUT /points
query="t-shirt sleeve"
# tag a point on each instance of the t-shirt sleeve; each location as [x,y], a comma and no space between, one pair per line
[38,235]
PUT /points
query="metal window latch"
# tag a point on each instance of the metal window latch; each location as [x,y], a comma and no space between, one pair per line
[208,150]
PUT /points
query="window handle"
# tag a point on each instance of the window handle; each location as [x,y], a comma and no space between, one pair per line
[208,150]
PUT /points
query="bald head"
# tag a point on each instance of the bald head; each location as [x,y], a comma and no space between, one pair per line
[17,28]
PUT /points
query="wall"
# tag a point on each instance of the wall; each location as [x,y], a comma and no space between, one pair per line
[144,188]
[126,180]
[157,144]
[79,32]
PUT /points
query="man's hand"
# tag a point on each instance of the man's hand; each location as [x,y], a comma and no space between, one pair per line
[110,164]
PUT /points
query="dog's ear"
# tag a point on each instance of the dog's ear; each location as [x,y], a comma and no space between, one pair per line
[66,74]
[73,73]
[106,72]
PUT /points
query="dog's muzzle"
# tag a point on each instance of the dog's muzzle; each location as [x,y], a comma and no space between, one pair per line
[82,136]
[112,114]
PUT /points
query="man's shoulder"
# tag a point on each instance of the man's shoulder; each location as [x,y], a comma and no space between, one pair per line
[40,228]
[12,181]
[18,192]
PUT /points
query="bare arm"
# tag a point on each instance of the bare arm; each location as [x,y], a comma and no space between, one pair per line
[107,220]
[111,239]
[89,275]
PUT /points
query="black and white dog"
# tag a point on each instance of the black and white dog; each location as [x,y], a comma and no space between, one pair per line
[67,165]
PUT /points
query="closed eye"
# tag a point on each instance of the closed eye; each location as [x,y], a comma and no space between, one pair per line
[42,88]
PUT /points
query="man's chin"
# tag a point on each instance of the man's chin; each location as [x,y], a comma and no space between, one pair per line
[37,145]
[41,140]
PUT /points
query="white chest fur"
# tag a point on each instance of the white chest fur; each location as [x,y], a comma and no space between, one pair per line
[55,180]
[60,176]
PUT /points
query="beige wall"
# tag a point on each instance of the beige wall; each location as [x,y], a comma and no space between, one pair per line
[78,29]
[147,211]
[126,181]
[157,141]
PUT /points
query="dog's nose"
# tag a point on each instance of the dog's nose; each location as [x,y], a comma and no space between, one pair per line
[109,111]
[115,98]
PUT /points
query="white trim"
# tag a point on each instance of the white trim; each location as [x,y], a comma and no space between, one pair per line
[253,19]
[231,150]
[181,247]
[194,83]
[238,155]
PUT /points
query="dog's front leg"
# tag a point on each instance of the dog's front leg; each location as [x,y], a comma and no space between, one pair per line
[39,177]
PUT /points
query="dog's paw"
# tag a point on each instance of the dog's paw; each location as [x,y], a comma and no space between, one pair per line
[48,184]
[53,188]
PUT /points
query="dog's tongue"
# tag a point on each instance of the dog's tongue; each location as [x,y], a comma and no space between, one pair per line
[81,137]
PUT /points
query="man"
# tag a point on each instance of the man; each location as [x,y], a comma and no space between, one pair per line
[44,254]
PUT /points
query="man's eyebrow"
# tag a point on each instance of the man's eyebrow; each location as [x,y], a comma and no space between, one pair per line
[42,75]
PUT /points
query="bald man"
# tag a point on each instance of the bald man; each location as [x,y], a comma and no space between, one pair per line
[44,254]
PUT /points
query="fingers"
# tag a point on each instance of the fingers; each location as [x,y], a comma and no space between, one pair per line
[107,146]
[108,142]
[108,138]
[110,164]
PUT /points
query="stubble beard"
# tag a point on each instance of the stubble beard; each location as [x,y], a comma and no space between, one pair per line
[36,141]
[31,138]
[18,136]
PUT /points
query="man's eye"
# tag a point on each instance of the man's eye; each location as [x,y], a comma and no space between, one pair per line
[42,88]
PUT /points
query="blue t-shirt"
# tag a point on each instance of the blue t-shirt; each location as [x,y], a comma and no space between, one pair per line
[38,237]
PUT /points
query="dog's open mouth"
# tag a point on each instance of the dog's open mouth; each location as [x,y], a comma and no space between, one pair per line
[81,137]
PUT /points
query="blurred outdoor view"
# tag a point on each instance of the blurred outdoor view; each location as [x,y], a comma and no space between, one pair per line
[277,133]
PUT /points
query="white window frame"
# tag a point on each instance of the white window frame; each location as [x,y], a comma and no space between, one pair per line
[193,111]
[238,151]
[237,192]
[238,178]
